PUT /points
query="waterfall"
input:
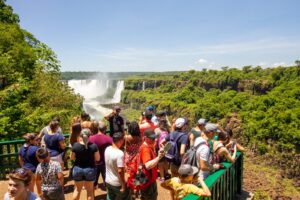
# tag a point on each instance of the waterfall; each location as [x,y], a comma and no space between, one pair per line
[94,93]
[154,84]
[144,84]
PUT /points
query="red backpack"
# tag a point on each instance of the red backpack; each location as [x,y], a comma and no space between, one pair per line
[139,178]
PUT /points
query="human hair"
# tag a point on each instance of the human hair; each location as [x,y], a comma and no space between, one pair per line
[163,125]
[229,131]
[223,136]
[118,136]
[75,132]
[56,118]
[21,174]
[134,129]
[29,136]
[85,134]
[85,117]
[42,153]
[148,116]
[54,124]
[94,127]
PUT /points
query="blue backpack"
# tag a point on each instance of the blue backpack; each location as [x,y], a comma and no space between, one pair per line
[173,155]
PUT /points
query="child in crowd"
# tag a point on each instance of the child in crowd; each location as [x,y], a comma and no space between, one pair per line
[49,177]
[182,186]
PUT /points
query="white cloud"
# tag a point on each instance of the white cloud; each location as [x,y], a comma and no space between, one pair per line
[202,61]
[283,64]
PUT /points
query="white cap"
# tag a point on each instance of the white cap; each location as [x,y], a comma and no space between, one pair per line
[180,122]
[202,121]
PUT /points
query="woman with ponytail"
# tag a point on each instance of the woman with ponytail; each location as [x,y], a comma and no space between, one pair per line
[85,154]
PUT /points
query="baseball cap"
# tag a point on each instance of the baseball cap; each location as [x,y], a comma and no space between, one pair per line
[187,170]
[149,133]
[202,121]
[151,108]
[209,127]
[161,113]
[180,122]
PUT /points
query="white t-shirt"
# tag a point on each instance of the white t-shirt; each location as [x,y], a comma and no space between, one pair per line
[203,153]
[114,158]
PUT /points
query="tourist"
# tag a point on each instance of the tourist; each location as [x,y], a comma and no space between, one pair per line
[232,143]
[182,185]
[102,141]
[115,170]
[46,129]
[85,154]
[204,157]
[116,122]
[197,131]
[161,132]
[220,152]
[162,115]
[148,124]
[49,177]
[18,186]
[180,137]
[150,161]
[85,120]
[27,158]
[55,142]
[133,142]
[75,132]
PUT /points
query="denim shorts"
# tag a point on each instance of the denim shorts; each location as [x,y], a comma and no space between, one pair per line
[84,174]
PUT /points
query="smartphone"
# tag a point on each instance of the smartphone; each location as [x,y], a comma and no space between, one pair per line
[167,147]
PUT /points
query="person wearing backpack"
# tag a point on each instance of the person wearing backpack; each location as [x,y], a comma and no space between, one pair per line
[203,155]
[150,161]
[179,140]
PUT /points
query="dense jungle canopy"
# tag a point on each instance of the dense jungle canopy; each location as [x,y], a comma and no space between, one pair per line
[30,91]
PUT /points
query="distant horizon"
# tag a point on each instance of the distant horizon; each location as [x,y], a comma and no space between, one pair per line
[168,35]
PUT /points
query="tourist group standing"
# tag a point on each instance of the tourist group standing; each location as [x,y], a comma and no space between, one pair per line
[130,161]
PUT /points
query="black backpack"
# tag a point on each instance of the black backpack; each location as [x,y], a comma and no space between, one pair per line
[190,156]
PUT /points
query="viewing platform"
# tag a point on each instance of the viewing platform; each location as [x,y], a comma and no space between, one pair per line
[224,184]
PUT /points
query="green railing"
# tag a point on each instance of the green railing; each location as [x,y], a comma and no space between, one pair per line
[9,152]
[225,183]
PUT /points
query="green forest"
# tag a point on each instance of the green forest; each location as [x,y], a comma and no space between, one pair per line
[30,91]
[267,102]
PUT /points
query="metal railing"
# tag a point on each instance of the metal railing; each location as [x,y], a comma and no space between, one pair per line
[223,184]
[226,183]
[9,153]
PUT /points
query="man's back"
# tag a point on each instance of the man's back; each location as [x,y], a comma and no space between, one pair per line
[102,141]
[114,159]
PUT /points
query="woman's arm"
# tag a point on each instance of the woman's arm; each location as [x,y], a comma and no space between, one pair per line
[206,191]
[191,138]
[72,156]
[97,156]
[21,163]
[227,155]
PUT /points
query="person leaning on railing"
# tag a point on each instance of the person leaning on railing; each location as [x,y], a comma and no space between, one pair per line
[203,155]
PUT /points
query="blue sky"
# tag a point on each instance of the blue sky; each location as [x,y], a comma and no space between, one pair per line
[164,35]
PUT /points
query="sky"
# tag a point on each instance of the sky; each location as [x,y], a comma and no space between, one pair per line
[164,35]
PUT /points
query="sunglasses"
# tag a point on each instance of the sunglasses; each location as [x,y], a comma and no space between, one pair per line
[20,171]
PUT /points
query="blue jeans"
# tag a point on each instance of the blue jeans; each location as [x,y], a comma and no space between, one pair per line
[84,174]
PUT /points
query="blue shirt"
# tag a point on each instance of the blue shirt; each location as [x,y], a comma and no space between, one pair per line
[29,158]
[52,143]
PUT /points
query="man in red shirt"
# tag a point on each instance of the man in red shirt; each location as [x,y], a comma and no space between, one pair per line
[147,124]
[150,161]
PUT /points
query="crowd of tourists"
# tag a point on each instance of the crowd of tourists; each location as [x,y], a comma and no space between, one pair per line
[131,157]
